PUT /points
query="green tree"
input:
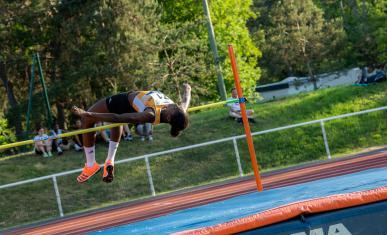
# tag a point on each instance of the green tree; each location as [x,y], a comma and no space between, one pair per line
[6,134]
[184,57]
[229,21]
[298,40]
[184,51]
[105,46]
[364,23]
[378,19]
[367,29]
[21,32]
[100,48]
[89,49]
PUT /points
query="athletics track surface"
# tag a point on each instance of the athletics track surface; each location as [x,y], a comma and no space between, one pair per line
[249,203]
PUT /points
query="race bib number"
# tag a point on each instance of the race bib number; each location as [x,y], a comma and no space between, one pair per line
[159,98]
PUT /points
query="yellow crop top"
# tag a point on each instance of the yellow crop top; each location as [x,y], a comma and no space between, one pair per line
[151,99]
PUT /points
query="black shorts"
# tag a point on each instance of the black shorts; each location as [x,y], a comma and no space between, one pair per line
[119,104]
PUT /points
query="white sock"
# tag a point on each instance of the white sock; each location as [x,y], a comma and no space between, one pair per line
[90,155]
[113,146]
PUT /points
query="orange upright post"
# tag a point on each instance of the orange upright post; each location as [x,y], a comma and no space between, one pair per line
[245,119]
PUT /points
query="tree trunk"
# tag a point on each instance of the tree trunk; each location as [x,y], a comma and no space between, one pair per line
[354,8]
[12,101]
[342,10]
[303,42]
[61,118]
[364,10]
[342,7]
[311,75]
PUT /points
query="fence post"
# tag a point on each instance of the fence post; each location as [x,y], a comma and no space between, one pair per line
[148,171]
[325,139]
[237,157]
[57,196]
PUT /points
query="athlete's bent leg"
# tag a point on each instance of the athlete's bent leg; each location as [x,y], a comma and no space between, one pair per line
[91,166]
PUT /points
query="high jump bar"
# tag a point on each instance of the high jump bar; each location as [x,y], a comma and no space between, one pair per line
[99,128]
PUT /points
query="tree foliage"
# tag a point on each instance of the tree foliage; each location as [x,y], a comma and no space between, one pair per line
[6,134]
[229,22]
[91,49]
[229,19]
[357,25]
[298,40]
[104,46]
[22,25]
[364,23]
[184,57]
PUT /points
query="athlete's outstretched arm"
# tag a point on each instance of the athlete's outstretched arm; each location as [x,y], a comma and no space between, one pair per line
[147,116]
[186,97]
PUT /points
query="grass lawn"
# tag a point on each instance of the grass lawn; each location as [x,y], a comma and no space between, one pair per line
[36,201]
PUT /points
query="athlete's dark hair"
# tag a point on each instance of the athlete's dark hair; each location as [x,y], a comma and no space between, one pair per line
[179,120]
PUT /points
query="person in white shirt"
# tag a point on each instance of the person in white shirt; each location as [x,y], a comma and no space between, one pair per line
[235,108]
[43,143]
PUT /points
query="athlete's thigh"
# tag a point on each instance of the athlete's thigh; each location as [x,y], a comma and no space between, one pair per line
[99,107]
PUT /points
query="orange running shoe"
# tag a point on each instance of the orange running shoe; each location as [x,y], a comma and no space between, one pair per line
[108,172]
[88,172]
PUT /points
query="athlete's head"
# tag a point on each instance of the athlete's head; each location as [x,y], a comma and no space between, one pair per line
[177,118]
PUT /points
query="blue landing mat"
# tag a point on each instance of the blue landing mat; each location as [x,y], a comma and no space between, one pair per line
[253,203]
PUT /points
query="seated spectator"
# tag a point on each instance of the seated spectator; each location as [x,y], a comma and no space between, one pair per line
[362,78]
[378,75]
[235,109]
[77,139]
[127,134]
[66,145]
[42,143]
[371,75]
[145,131]
[58,142]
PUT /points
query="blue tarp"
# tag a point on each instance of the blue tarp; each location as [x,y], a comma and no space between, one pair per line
[253,203]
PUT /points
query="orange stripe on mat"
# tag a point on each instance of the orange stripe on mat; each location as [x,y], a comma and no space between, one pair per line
[283,213]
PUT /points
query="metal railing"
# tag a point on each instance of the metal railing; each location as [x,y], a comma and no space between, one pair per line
[157,154]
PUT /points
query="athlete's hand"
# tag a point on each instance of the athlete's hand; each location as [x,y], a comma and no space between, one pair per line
[187,87]
[80,112]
